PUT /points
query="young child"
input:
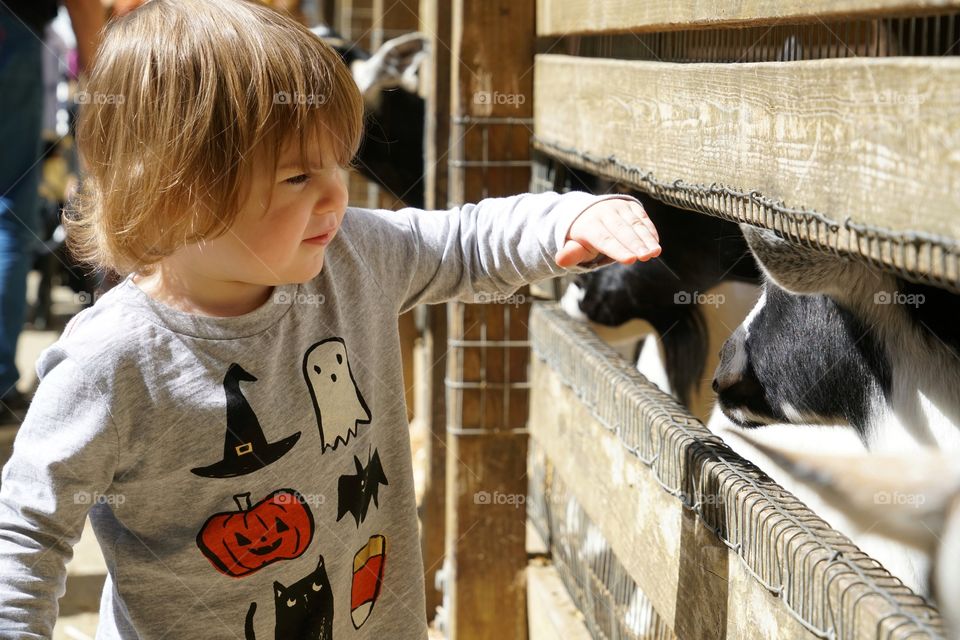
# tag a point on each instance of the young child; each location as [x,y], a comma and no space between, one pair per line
[231,415]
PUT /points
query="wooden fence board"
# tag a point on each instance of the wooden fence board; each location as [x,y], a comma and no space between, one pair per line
[662,490]
[562,17]
[872,141]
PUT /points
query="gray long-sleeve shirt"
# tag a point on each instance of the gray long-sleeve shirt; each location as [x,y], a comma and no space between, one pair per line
[251,476]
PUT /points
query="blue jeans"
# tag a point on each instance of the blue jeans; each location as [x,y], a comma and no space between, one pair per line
[21,106]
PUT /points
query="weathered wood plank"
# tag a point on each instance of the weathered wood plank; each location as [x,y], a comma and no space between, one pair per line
[874,141]
[392,18]
[492,46]
[435,21]
[552,613]
[354,20]
[642,523]
[696,583]
[562,17]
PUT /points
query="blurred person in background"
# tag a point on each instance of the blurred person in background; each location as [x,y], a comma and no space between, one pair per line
[22,24]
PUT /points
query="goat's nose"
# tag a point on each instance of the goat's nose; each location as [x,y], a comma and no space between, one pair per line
[730,370]
[724,380]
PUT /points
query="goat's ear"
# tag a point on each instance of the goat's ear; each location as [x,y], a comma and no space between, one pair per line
[800,269]
[904,497]
[395,64]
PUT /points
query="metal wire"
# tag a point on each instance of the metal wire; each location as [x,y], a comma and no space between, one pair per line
[855,37]
[826,583]
[918,257]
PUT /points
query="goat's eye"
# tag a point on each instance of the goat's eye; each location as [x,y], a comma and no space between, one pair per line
[300,179]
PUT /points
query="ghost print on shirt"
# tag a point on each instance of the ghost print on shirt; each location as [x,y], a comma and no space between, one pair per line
[337,402]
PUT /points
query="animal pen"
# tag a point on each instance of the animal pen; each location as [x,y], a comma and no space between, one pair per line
[833,122]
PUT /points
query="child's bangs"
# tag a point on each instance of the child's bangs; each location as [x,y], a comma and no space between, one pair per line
[313,102]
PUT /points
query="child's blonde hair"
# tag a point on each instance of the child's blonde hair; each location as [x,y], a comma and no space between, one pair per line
[184,95]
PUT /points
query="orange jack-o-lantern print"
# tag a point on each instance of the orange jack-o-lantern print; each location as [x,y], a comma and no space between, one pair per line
[238,543]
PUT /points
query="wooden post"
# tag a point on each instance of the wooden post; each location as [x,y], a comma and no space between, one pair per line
[487,398]
[392,18]
[355,21]
[431,400]
[328,12]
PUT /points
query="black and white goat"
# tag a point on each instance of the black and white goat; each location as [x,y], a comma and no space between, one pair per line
[699,253]
[391,153]
[838,358]
[833,341]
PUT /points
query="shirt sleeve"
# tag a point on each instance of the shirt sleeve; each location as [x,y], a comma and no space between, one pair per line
[472,252]
[64,458]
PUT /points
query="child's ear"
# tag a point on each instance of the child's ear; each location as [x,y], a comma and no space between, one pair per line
[800,269]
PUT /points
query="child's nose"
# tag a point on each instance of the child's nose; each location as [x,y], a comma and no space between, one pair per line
[334,196]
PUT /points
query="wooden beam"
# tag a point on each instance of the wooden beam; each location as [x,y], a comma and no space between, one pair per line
[355,21]
[392,18]
[435,21]
[564,17]
[492,45]
[327,12]
[869,141]
[435,17]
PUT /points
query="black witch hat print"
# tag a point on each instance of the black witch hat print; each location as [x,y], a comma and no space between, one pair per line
[245,448]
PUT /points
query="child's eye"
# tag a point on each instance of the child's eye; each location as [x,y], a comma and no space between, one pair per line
[300,179]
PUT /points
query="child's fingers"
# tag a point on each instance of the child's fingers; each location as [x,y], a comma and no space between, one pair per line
[634,235]
[637,210]
[649,240]
[610,241]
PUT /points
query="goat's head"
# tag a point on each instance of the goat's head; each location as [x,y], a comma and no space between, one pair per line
[802,355]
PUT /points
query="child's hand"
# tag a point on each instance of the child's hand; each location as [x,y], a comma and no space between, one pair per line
[617,228]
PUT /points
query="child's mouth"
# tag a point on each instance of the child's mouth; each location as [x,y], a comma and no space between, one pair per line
[321,239]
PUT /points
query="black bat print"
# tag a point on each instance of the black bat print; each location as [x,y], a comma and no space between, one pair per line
[356,490]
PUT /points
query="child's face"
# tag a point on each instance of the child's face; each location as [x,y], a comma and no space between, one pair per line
[277,244]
